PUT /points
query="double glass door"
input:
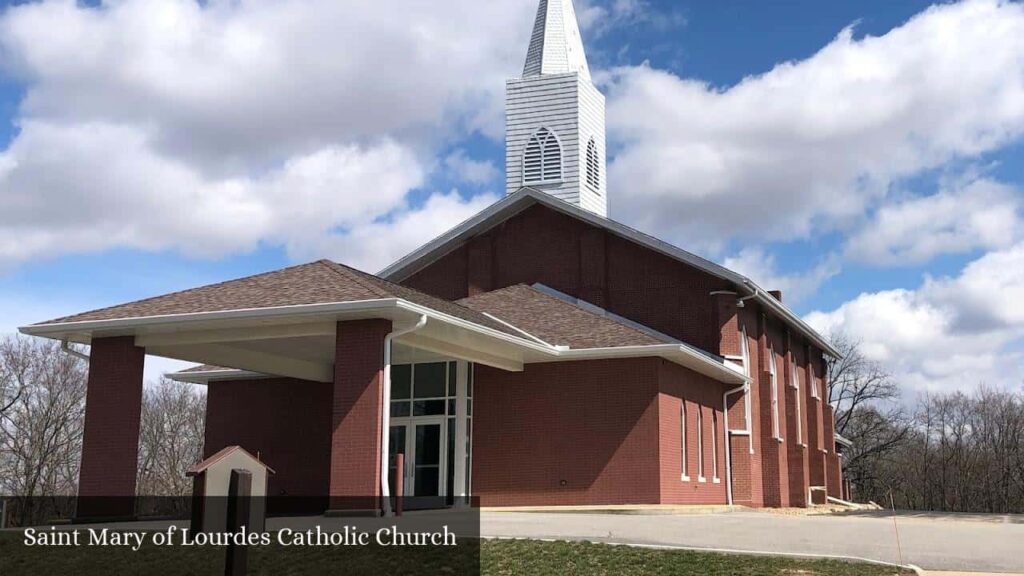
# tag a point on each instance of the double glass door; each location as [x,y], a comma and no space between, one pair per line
[422,440]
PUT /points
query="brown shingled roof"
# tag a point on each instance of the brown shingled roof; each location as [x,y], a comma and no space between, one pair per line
[557,321]
[318,282]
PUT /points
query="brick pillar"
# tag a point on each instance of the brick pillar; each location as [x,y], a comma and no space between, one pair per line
[593,269]
[110,442]
[356,415]
[480,267]
[796,454]
[724,303]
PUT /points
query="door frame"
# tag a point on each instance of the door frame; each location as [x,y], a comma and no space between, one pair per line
[409,474]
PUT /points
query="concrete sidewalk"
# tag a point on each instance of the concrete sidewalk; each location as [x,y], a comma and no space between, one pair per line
[931,543]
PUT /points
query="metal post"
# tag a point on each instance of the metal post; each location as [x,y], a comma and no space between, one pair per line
[236,557]
[399,482]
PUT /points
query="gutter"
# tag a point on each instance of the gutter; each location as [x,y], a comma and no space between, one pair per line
[745,388]
[67,349]
[385,415]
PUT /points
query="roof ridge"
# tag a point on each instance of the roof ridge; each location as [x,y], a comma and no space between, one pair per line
[183,291]
[347,272]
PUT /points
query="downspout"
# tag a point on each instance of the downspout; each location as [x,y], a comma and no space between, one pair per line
[385,414]
[745,387]
[67,349]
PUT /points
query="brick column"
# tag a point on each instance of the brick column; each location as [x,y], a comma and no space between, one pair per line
[480,269]
[110,441]
[356,415]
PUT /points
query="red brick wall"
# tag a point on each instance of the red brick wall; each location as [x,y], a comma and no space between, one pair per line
[796,448]
[113,409]
[592,425]
[775,467]
[542,245]
[286,422]
[678,385]
[815,424]
[356,411]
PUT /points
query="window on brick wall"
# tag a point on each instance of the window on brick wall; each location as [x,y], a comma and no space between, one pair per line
[814,381]
[799,412]
[682,441]
[700,443]
[774,383]
[714,446]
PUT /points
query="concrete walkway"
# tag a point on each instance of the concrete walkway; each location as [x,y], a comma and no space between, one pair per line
[933,543]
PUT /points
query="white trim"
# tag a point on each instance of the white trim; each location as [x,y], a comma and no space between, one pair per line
[700,443]
[774,391]
[795,369]
[525,197]
[714,445]
[683,452]
[518,329]
[205,376]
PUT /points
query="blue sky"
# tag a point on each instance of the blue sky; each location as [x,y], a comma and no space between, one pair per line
[874,176]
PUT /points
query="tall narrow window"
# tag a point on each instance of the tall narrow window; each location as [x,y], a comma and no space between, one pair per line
[799,412]
[714,445]
[773,376]
[542,159]
[682,441]
[593,167]
[700,443]
[814,381]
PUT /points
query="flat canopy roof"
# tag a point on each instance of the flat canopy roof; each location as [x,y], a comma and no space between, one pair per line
[284,323]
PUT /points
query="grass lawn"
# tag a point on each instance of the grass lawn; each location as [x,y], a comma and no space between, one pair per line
[496,558]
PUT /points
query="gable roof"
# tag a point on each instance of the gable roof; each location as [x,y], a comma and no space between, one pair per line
[317,282]
[526,197]
[220,455]
[556,321]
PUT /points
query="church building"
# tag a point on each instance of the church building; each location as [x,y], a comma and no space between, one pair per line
[538,354]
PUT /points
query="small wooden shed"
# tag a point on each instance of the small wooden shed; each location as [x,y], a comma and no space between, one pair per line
[211,483]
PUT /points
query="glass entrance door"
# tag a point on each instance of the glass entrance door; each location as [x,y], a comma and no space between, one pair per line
[422,441]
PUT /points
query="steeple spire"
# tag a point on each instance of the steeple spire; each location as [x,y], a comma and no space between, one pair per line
[556,46]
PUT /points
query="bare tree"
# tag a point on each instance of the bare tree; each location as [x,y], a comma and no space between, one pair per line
[41,427]
[855,381]
[171,437]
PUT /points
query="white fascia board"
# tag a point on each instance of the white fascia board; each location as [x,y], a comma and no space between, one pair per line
[682,355]
[206,376]
[59,329]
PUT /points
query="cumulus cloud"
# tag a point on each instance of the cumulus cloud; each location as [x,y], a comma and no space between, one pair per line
[949,333]
[213,127]
[465,169]
[980,214]
[813,144]
[761,267]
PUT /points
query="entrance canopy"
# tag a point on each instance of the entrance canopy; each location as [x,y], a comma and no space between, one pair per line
[284,323]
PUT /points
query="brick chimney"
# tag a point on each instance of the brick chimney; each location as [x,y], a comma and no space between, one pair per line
[777,294]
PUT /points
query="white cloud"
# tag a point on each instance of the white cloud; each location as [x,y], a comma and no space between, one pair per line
[951,332]
[89,187]
[466,169]
[813,144]
[762,268]
[370,245]
[981,214]
[212,128]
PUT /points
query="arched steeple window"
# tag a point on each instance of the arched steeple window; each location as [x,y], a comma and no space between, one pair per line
[593,167]
[542,159]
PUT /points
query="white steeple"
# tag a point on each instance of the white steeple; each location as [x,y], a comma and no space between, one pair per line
[555,133]
[556,46]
